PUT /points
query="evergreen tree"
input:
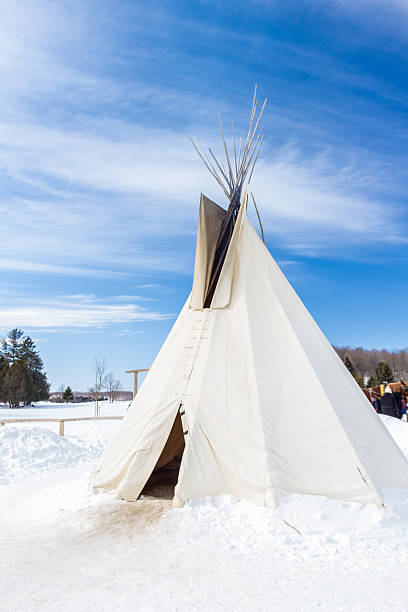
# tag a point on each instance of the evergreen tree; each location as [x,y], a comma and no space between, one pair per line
[383,373]
[40,386]
[349,366]
[16,387]
[372,382]
[30,356]
[359,380]
[21,377]
[3,369]
[67,395]
[11,346]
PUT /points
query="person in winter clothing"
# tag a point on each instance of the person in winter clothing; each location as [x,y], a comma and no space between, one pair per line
[389,404]
[376,403]
[400,404]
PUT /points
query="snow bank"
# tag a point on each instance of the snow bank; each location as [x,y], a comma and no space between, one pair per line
[25,451]
[59,411]
[399,431]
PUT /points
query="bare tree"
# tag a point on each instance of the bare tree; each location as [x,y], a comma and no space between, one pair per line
[109,381]
[116,389]
[366,360]
[112,386]
[60,391]
[96,391]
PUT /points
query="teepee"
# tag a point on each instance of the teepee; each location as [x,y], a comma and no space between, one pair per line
[246,395]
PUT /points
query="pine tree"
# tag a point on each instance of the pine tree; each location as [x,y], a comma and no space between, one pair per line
[349,366]
[16,387]
[359,378]
[11,346]
[372,382]
[67,395]
[30,355]
[40,386]
[3,370]
[21,377]
[383,373]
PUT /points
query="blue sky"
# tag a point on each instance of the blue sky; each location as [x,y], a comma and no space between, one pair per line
[100,185]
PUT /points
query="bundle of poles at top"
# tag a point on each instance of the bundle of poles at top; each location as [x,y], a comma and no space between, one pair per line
[239,166]
[231,180]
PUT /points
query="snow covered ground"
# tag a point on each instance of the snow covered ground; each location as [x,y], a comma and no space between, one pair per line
[31,449]
[63,548]
[60,411]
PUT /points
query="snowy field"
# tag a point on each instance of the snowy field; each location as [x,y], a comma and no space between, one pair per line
[65,549]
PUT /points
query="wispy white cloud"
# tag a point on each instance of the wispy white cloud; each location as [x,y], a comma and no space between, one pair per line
[115,193]
[89,298]
[378,20]
[73,312]
[145,161]
[131,298]
[312,205]
[297,196]
[370,7]
[60,270]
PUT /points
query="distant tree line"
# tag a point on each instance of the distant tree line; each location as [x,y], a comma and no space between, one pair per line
[22,379]
[373,365]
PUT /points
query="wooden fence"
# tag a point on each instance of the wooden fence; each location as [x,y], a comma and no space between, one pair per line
[60,421]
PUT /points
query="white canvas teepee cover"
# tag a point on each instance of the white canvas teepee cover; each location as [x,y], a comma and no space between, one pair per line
[267,406]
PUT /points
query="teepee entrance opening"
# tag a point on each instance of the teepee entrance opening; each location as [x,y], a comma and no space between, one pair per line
[164,477]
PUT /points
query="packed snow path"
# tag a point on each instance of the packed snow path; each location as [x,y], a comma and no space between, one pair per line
[63,548]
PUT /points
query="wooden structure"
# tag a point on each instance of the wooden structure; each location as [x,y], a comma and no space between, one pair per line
[60,421]
[399,386]
[135,373]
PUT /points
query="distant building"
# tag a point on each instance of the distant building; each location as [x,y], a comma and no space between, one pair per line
[125,395]
[83,396]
